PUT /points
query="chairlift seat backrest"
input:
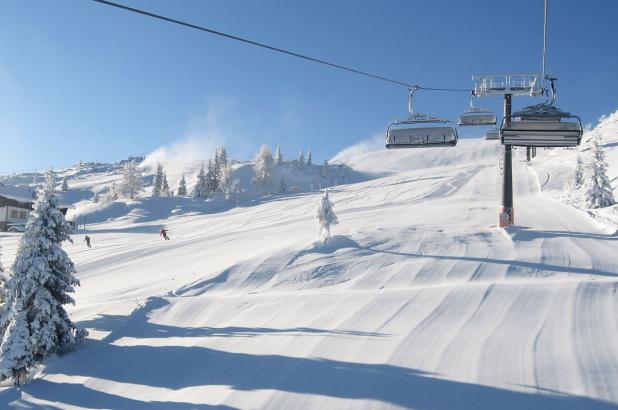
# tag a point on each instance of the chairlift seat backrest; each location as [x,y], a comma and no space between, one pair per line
[542,125]
[536,133]
[492,135]
[421,137]
[477,117]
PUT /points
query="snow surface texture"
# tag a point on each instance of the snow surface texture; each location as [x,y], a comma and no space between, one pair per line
[417,301]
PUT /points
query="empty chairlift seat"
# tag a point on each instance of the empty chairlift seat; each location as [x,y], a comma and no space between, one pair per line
[421,132]
[476,116]
[493,134]
[541,125]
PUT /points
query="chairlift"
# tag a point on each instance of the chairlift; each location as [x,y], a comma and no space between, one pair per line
[420,130]
[492,134]
[476,116]
[542,125]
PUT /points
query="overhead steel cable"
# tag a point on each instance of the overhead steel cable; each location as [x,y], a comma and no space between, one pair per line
[268,47]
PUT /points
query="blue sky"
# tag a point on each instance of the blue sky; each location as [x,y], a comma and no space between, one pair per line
[83,81]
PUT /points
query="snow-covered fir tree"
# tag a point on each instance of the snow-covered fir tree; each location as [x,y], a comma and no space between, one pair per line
[16,348]
[33,322]
[95,198]
[597,189]
[282,187]
[577,177]
[65,185]
[309,162]
[278,156]
[263,168]
[212,179]
[132,181]
[165,188]
[228,183]
[3,280]
[182,187]
[112,193]
[222,155]
[200,190]
[158,182]
[324,172]
[325,216]
[301,159]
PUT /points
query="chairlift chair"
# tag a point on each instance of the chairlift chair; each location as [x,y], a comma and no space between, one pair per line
[476,116]
[542,125]
[420,130]
[493,134]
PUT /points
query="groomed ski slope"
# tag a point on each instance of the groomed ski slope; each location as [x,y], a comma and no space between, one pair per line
[419,301]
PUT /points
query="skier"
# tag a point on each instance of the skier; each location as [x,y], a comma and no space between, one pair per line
[163,233]
[87,240]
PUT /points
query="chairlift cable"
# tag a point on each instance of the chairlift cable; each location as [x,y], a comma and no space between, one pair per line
[269,47]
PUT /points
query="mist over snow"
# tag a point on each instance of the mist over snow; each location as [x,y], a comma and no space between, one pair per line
[185,155]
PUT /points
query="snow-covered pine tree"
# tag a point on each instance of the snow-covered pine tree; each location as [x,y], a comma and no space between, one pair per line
[95,198]
[158,182]
[228,183]
[301,160]
[341,174]
[165,188]
[282,188]
[65,185]
[325,216]
[3,280]
[182,187]
[215,178]
[212,182]
[113,193]
[324,171]
[33,322]
[597,189]
[263,168]
[577,177]
[16,348]
[132,181]
[278,156]
[309,162]
[200,190]
[222,157]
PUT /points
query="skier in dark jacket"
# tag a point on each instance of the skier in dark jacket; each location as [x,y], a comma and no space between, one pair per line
[163,233]
[87,240]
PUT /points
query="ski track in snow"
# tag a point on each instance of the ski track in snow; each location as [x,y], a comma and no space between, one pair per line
[416,302]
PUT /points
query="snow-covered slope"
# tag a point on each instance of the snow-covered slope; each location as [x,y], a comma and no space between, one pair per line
[419,301]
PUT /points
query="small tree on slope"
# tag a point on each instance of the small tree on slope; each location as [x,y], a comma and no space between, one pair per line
[165,188]
[132,181]
[228,183]
[182,188]
[325,216]
[200,190]
[597,189]
[65,185]
[16,349]
[278,156]
[33,322]
[577,178]
[157,186]
[263,168]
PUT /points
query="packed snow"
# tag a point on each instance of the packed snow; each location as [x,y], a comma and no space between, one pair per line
[417,300]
